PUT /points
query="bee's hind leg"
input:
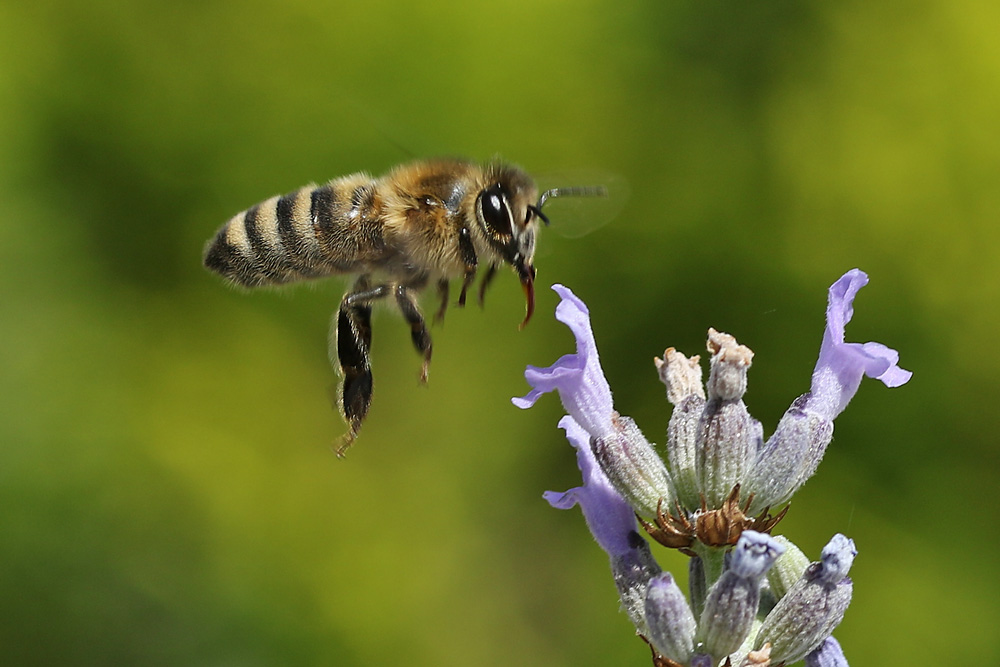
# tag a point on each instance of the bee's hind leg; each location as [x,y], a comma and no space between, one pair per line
[407,302]
[354,341]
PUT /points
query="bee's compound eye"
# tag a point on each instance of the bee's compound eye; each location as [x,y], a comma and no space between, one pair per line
[496,213]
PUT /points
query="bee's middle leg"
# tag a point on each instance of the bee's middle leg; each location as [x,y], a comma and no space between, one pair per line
[418,327]
[442,288]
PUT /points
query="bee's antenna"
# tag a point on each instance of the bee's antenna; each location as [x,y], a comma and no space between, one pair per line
[538,211]
[577,191]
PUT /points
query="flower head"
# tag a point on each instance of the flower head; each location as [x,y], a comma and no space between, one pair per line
[712,497]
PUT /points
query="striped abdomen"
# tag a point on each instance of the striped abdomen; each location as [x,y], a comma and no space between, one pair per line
[310,233]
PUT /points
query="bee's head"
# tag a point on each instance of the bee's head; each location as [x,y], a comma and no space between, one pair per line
[509,214]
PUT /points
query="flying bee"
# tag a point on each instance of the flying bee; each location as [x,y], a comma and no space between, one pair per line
[423,223]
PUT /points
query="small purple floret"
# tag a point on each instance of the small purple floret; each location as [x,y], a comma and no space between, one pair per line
[841,365]
[608,516]
[578,378]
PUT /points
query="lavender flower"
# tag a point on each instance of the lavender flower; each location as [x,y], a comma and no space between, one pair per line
[578,378]
[626,457]
[792,454]
[611,522]
[608,516]
[716,454]
[841,365]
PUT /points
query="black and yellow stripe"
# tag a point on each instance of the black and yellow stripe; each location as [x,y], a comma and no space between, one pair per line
[309,233]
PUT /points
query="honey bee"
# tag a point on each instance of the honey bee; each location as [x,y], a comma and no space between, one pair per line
[424,223]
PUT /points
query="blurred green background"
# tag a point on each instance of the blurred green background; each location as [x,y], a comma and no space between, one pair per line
[168,493]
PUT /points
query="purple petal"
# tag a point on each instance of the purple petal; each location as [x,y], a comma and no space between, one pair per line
[608,516]
[841,365]
[577,378]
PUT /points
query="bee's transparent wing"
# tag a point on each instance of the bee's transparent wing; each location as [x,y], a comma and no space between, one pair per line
[581,201]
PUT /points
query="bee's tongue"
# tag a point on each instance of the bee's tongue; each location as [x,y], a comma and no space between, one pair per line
[528,283]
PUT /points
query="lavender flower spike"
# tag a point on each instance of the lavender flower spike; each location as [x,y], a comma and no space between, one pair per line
[608,516]
[841,365]
[578,377]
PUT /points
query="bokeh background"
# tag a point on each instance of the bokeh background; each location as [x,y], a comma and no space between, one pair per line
[168,493]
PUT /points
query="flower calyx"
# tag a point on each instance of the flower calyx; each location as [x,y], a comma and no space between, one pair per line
[714,528]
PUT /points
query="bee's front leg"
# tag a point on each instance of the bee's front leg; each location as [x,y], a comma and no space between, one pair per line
[485,283]
[354,341]
[467,251]
[407,303]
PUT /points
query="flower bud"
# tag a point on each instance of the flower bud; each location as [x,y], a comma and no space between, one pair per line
[732,601]
[727,380]
[726,447]
[788,569]
[682,448]
[790,456]
[837,558]
[632,572]
[727,437]
[813,606]
[633,467]
[669,619]
[681,375]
